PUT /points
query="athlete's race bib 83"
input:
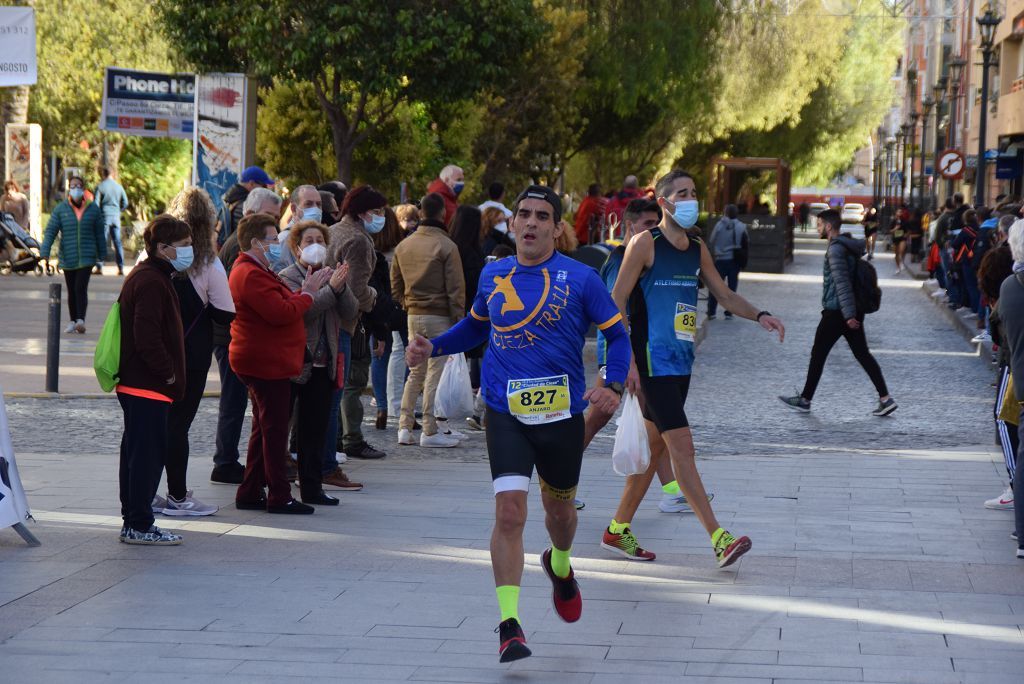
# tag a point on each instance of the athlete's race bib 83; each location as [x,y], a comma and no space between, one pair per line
[534,401]
[686,322]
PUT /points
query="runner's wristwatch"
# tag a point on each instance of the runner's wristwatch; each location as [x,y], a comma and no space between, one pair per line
[762,313]
[616,387]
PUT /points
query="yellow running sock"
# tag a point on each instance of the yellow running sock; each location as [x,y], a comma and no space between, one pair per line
[618,528]
[560,561]
[672,488]
[716,535]
[508,601]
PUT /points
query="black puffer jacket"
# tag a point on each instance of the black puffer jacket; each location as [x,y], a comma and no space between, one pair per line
[840,259]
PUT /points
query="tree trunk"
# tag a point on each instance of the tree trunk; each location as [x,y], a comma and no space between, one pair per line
[343,149]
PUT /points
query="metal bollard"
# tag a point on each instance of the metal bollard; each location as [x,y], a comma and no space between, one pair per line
[53,339]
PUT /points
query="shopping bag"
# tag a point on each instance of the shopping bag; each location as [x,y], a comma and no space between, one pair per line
[631,454]
[106,360]
[454,397]
[1009,411]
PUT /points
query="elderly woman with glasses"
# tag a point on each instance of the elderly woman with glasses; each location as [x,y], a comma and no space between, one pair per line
[268,348]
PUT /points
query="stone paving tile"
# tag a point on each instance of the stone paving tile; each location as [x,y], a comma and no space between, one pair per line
[873,558]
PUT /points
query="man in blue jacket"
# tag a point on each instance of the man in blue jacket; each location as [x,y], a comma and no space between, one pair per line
[112,200]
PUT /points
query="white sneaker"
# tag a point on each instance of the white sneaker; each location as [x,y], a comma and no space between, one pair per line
[939,294]
[454,434]
[982,338]
[80,326]
[340,457]
[1003,502]
[676,504]
[159,504]
[189,506]
[71,327]
[404,437]
[437,441]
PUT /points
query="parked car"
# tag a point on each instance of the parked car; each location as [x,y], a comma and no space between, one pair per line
[853,213]
[817,208]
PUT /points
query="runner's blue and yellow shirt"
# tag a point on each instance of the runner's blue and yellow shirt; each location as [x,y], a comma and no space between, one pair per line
[538,317]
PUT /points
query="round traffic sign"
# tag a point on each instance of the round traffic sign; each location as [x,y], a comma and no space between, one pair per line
[951,164]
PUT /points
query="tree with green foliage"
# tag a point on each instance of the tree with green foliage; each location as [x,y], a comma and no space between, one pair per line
[364,58]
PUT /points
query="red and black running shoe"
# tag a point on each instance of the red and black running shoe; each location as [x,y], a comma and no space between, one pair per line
[566,595]
[511,641]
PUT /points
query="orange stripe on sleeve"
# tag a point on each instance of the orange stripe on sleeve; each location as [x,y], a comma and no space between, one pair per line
[610,322]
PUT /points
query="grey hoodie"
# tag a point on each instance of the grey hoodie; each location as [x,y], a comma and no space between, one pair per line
[726,238]
[837,283]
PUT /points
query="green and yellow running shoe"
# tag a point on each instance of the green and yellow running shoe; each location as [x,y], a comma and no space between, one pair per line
[625,544]
[728,548]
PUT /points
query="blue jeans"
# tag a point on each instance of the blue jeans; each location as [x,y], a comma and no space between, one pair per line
[234,397]
[951,277]
[970,281]
[330,461]
[730,272]
[379,372]
[113,232]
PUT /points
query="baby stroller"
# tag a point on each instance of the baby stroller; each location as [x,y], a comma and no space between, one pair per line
[19,251]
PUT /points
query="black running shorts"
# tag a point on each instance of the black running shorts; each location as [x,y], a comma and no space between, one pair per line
[663,401]
[556,449]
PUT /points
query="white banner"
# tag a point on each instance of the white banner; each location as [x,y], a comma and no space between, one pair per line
[219,150]
[13,503]
[148,104]
[17,46]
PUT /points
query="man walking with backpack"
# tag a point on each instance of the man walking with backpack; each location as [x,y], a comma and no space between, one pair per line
[845,300]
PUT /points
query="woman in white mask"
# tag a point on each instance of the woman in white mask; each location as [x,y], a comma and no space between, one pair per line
[204,298]
[312,389]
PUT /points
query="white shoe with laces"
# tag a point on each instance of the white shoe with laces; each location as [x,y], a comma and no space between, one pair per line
[1003,502]
[71,327]
[437,441]
[982,338]
[404,438]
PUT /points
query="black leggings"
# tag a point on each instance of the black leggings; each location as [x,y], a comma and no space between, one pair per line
[179,421]
[830,329]
[77,281]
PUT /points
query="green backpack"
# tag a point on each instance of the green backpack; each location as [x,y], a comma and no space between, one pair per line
[107,360]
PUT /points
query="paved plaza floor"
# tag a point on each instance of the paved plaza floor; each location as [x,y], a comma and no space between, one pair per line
[873,558]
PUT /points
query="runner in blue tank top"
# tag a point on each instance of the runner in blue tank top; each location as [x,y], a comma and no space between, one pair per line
[535,309]
[658,283]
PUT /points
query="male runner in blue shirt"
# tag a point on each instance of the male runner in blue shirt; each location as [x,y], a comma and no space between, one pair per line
[658,281]
[535,309]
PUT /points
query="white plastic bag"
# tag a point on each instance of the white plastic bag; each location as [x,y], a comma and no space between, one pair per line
[454,398]
[631,454]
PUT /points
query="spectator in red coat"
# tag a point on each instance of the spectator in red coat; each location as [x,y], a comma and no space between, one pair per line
[617,206]
[448,185]
[588,216]
[268,344]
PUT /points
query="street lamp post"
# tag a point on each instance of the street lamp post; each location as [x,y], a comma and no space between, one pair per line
[987,24]
[939,90]
[913,154]
[926,108]
[903,137]
[956,65]
[890,146]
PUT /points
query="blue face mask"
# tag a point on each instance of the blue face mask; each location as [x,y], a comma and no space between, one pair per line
[458,187]
[273,252]
[375,224]
[184,258]
[77,194]
[312,214]
[685,213]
